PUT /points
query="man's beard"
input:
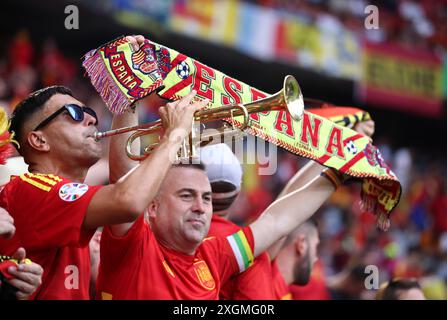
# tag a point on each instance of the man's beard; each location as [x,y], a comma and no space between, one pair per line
[302,270]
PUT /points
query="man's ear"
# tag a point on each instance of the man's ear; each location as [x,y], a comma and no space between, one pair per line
[301,245]
[152,209]
[38,141]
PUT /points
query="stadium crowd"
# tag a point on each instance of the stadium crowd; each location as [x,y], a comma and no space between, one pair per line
[419,24]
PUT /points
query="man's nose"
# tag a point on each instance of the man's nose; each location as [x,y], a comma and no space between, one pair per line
[198,206]
[89,120]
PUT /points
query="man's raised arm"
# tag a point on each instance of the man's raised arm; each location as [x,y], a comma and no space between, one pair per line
[125,200]
[308,172]
[286,213]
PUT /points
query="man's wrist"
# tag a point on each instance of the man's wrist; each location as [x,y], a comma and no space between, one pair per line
[171,144]
[335,177]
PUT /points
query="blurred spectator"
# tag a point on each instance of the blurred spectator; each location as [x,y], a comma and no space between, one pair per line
[21,51]
[349,284]
[316,288]
[400,289]
[402,167]
[54,67]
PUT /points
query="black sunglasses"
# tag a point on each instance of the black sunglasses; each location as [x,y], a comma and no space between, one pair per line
[76,113]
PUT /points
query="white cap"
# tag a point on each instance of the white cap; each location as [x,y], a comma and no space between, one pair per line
[14,166]
[224,172]
[221,165]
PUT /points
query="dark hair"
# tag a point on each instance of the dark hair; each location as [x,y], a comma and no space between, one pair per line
[390,292]
[31,105]
[198,166]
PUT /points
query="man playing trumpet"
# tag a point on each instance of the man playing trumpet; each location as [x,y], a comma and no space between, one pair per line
[54,212]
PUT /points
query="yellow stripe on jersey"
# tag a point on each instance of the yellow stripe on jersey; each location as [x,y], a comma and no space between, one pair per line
[287,297]
[56,178]
[43,178]
[35,183]
[106,296]
[42,181]
[168,269]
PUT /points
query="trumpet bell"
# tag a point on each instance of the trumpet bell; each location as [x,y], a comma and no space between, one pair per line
[293,97]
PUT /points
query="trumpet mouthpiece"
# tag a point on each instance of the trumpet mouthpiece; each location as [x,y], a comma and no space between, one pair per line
[98,136]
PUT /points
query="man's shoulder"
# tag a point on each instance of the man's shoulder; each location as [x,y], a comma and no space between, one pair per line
[222,227]
[28,186]
[36,181]
[209,242]
[214,241]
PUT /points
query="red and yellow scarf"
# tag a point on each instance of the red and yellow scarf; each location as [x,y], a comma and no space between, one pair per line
[122,77]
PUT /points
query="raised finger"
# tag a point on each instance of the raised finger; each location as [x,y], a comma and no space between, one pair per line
[140,39]
[186,100]
[20,254]
[133,42]
[199,105]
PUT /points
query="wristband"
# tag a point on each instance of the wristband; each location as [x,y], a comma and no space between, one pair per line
[333,176]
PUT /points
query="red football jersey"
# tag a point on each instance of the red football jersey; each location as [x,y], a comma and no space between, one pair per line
[136,266]
[280,286]
[48,213]
[255,283]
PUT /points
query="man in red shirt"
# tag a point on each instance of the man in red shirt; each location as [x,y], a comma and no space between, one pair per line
[294,262]
[55,213]
[168,256]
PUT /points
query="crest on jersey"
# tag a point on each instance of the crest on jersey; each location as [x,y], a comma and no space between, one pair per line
[204,275]
[72,191]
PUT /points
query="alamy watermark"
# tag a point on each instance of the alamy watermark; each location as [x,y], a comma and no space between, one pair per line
[72,277]
[372,280]
[249,150]
[72,19]
[372,18]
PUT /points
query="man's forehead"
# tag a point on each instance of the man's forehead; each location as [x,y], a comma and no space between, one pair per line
[179,178]
[54,103]
[57,101]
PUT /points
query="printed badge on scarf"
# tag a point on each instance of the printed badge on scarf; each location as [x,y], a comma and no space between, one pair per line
[72,191]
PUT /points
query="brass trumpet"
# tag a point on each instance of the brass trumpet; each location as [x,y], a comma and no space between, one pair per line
[288,98]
